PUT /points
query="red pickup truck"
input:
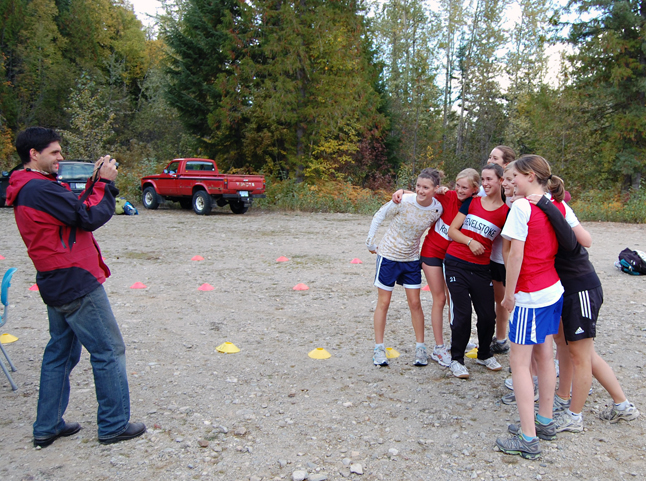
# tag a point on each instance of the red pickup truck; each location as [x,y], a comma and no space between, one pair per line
[197,183]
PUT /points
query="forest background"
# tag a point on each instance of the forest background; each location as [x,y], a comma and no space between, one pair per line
[338,102]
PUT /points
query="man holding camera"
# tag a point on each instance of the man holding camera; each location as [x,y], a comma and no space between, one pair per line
[56,227]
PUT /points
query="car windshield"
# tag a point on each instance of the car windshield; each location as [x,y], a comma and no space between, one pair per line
[77,171]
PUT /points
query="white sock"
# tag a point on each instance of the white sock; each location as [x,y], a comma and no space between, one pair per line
[501,341]
[380,345]
[622,406]
[420,344]
[576,416]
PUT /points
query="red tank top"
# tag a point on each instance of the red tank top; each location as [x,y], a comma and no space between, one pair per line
[481,225]
[437,240]
[538,271]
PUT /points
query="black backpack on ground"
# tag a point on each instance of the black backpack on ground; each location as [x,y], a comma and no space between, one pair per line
[632,262]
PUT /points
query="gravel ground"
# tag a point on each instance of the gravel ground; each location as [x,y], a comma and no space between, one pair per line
[270,412]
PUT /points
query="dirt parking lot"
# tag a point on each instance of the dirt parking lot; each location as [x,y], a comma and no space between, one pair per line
[270,412]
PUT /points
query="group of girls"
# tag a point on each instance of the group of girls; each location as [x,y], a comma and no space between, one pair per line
[522,214]
[462,253]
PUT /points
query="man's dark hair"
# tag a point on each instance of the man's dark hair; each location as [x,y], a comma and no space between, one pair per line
[34,138]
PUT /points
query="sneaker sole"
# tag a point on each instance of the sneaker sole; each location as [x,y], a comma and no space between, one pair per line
[491,369]
[420,363]
[523,454]
[461,376]
[439,361]
[380,364]
[624,418]
[571,429]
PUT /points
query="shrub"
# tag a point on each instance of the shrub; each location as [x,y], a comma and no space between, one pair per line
[325,196]
[609,206]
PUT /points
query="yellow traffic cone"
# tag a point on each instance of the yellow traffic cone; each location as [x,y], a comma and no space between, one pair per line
[319,353]
[227,348]
[7,339]
[391,353]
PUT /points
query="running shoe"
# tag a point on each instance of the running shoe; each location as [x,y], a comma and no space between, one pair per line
[509,383]
[566,422]
[543,431]
[510,398]
[559,404]
[421,358]
[499,347]
[379,357]
[615,415]
[459,370]
[490,363]
[441,355]
[518,445]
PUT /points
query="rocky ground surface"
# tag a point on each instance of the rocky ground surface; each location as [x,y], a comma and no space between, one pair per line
[270,412]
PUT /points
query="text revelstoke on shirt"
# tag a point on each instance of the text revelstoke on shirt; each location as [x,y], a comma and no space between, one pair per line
[481,225]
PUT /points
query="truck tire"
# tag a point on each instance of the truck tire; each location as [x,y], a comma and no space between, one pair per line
[186,203]
[202,202]
[150,199]
[238,207]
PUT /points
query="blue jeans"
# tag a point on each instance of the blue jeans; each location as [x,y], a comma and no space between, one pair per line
[86,321]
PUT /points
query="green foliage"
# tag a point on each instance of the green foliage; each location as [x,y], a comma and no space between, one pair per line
[330,196]
[610,67]
[287,87]
[129,179]
[404,32]
[91,121]
[608,206]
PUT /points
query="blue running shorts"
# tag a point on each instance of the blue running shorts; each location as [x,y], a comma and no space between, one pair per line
[407,274]
[531,325]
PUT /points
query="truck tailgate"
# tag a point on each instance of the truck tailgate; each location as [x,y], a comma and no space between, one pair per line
[247,183]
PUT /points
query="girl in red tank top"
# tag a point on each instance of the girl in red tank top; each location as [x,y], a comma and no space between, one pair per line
[533,296]
[467,271]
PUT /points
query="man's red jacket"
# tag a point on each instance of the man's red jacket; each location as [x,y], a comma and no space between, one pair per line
[57,230]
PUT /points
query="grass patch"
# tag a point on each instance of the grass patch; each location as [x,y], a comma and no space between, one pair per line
[609,206]
[328,196]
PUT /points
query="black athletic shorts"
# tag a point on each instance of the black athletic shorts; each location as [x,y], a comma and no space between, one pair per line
[432,261]
[498,272]
[580,311]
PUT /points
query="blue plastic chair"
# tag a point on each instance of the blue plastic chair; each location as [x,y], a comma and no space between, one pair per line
[6,283]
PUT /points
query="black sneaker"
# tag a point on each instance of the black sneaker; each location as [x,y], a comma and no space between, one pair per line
[518,445]
[499,348]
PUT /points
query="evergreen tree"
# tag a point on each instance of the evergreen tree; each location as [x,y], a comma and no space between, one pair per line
[201,36]
[314,97]
[610,68]
[42,77]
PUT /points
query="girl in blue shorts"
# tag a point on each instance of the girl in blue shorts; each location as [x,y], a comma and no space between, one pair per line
[534,297]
